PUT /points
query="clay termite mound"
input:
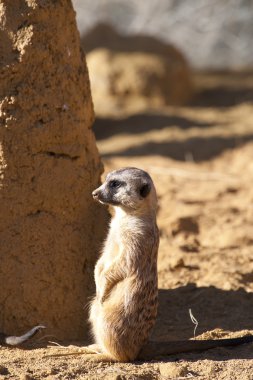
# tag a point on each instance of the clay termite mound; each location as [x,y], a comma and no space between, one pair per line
[50,229]
[135,71]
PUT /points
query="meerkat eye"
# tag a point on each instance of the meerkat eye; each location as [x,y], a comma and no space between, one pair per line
[114,184]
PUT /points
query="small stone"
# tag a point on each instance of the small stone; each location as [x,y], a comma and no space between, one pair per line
[173,370]
[25,376]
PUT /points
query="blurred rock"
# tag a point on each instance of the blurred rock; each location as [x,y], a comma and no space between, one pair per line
[120,80]
[134,71]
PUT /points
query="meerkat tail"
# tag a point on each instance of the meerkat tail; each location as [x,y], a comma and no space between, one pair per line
[152,349]
[17,340]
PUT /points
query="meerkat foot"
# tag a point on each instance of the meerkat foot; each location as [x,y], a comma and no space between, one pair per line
[98,358]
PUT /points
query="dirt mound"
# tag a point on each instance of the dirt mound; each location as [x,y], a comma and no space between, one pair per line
[48,167]
[134,71]
[135,80]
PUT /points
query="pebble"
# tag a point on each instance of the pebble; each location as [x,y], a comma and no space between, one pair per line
[173,370]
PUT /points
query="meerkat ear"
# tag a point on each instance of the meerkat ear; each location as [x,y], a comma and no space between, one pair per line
[145,190]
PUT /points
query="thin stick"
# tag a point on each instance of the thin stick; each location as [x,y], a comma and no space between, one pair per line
[194,321]
[55,344]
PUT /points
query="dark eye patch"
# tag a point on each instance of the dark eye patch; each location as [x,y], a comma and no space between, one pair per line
[115,184]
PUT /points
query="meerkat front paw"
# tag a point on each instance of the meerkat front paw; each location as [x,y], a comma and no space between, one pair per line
[102,295]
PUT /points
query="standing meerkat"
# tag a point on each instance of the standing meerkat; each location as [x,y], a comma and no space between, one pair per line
[124,309]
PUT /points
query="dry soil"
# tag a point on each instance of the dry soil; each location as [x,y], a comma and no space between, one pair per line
[201,160]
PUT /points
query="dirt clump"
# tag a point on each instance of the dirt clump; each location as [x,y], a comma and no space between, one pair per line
[49,166]
[186,224]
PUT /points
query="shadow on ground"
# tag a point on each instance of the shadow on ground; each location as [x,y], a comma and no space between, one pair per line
[212,307]
[199,148]
[222,97]
[141,123]
[223,89]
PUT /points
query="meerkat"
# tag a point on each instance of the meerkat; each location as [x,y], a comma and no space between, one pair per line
[18,340]
[124,309]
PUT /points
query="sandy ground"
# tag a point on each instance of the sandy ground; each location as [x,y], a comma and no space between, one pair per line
[201,160]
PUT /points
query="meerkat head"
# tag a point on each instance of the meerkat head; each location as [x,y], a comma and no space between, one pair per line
[129,188]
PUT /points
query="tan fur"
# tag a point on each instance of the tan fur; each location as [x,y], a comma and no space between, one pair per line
[124,310]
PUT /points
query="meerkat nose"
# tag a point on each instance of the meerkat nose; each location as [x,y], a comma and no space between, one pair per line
[95,194]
